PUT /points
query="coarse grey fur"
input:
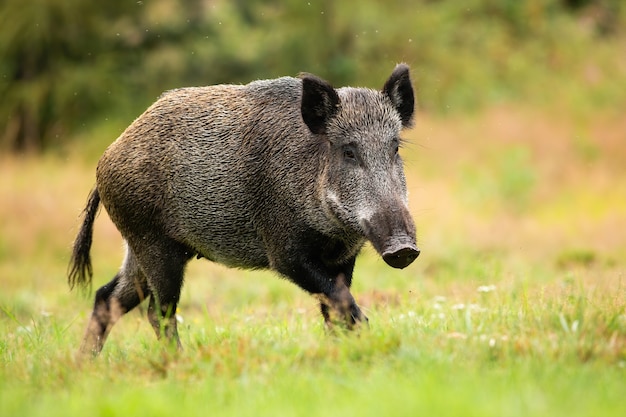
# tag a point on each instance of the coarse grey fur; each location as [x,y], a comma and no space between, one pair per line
[287,174]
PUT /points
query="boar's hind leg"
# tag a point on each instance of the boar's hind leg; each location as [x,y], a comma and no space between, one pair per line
[163,262]
[125,291]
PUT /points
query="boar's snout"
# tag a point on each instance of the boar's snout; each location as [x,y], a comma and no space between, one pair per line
[400,255]
[392,234]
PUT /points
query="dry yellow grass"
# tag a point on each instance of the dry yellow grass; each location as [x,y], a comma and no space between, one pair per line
[573,197]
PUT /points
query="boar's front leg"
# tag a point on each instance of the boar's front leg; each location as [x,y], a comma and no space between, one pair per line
[340,302]
[331,285]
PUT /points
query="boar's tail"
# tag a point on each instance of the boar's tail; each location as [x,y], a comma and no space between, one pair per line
[80,271]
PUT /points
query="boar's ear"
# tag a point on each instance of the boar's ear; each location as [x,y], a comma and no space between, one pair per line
[320,103]
[400,91]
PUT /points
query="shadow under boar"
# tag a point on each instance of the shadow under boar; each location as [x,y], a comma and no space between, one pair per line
[288,174]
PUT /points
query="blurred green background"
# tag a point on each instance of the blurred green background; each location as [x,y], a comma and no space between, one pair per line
[67,66]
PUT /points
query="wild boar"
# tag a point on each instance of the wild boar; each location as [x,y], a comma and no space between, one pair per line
[287,174]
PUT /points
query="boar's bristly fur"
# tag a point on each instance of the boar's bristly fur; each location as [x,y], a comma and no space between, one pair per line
[288,174]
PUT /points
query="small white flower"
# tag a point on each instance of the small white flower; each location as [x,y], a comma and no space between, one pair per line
[492,342]
[486,288]
[459,306]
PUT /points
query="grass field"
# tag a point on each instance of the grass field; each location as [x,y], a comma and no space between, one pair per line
[516,307]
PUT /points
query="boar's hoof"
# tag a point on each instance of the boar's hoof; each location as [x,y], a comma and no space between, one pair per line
[401,257]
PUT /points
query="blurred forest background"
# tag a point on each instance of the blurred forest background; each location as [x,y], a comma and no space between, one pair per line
[72,66]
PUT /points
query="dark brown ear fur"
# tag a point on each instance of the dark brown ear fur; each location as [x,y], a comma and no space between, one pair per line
[320,103]
[400,91]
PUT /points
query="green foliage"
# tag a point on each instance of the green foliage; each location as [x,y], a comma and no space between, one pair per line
[507,179]
[577,258]
[53,64]
[517,177]
[66,63]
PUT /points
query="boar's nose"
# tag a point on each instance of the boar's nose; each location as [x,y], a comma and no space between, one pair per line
[393,237]
[401,256]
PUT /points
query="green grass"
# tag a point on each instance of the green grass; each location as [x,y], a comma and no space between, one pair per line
[518,347]
[480,335]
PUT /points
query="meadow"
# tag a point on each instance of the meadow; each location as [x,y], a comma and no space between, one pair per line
[516,306]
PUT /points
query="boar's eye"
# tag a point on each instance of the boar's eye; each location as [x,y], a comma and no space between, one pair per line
[395,146]
[349,154]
